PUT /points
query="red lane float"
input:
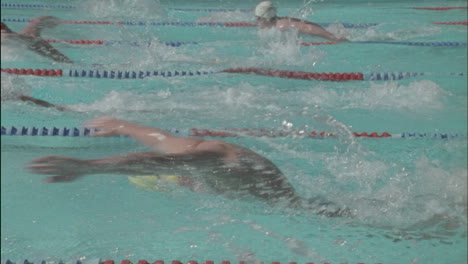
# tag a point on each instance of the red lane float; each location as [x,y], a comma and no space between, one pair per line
[36,72]
[465,23]
[441,8]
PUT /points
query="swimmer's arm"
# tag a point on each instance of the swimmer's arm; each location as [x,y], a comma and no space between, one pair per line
[313,29]
[161,141]
[36,25]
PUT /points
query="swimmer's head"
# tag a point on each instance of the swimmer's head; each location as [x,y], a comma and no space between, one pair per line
[5,28]
[265,10]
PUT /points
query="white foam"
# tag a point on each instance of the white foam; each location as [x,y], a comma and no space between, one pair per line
[231,16]
[409,197]
[284,47]
[424,94]
[379,33]
[121,102]
[12,86]
[421,94]
[126,9]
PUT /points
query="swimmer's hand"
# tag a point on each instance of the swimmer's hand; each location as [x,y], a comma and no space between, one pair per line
[108,126]
[62,108]
[46,21]
[64,169]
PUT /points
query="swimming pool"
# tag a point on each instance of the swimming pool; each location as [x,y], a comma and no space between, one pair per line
[397,185]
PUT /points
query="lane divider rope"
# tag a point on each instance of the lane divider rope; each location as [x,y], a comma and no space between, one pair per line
[187,24]
[465,23]
[226,132]
[323,76]
[207,24]
[367,76]
[35,6]
[174,9]
[158,261]
[119,42]
[420,43]
[444,8]
[210,10]
[178,44]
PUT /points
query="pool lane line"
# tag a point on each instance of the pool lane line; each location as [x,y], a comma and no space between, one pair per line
[465,23]
[317,76]
[406,43]
[35,6]
[32,6]
[186,24]
[208,10]
[208,24]
[337,76]
[223,133]
[120,42]
[159,261]
[178,44]
[440,8]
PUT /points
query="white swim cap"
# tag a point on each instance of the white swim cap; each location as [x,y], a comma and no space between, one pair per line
[265,10]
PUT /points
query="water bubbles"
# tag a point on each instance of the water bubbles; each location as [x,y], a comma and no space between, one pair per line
[286,124]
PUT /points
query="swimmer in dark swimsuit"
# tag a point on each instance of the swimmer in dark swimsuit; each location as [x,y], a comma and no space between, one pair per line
[225,169]
[30,36]
[40,102]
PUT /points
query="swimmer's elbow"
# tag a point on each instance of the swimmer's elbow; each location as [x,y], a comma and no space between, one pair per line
[213,146]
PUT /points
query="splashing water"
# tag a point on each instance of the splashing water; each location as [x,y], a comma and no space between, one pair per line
[12,86]
[283,47]
[423,94]
[126,9]
[408,196]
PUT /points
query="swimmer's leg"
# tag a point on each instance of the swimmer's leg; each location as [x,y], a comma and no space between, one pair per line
[66,169]
[43,103]
[43,48]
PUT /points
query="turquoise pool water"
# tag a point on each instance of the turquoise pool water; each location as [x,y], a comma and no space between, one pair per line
[410,194]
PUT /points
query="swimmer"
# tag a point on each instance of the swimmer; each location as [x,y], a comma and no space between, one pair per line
[222,168]
[31,37]
[265,13]
[13,88]
[40,102]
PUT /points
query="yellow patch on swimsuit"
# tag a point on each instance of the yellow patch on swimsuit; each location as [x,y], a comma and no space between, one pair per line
[156,183]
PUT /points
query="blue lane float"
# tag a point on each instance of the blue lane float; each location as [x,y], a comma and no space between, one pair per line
[36,6]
